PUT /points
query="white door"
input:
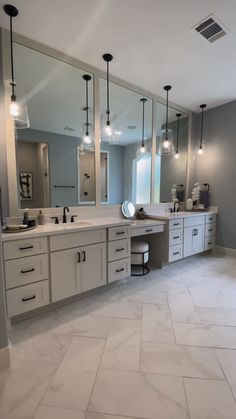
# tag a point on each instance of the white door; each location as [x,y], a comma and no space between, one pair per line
[193,240]
[65,273]
[93,262]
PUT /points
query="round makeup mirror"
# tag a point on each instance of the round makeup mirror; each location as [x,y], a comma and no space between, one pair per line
[128,209]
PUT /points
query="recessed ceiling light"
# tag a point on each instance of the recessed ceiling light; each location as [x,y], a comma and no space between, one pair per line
[131,126]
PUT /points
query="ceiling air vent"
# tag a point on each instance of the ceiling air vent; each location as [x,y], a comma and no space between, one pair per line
[210,29]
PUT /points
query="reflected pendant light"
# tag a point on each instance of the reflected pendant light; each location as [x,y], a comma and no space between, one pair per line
[142,147]
[108,130]
[17,109]
[201,145]
[166,143]
[177,137]
[86,137]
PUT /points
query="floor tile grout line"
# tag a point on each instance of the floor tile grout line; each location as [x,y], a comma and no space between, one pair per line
[233,393]
[186,397]
[172,324]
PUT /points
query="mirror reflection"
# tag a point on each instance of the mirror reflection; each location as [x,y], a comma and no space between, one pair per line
[125,161]
[171,169]
[55,156]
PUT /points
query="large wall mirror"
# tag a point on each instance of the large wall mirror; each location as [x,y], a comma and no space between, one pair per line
[125,164]
[55,160]
[170,169]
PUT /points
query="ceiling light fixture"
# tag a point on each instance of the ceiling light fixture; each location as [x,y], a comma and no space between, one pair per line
[86,138]
[201,145]
[142,148]
[177,137]
[17,109]
[166,143]
[108,58]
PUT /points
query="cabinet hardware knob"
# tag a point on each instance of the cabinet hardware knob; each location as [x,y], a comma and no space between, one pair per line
[29,298]
[148,230]
[120,249]
[120,232]
[120,270]
[84,256]
[78,257]
[27,270]
[26,248]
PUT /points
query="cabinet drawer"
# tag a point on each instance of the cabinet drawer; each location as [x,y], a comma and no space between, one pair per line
[118,270]
[210,230]
[21,248]
[141,231]
[26,298]
[211,218]
[118,249]
[209,243]
[175,252]
[120,232]
[194,221]
[175,237]
[177,223]
[26,270]
[69,240]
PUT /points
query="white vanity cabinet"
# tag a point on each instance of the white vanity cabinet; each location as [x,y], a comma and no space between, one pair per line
[194,228]
[26,274]
[78,269]
[119,259]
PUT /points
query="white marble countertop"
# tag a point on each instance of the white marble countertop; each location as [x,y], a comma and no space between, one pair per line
[183,214]
[50,229]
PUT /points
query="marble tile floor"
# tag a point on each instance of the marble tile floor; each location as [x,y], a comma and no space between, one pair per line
[158,347]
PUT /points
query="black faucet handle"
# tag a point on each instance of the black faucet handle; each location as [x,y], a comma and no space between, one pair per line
[72,218]
[56,219]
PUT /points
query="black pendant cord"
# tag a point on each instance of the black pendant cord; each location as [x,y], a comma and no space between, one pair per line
[167,116]
[143,100]
[87,122]
[202,124]
[13,83]
[108,95]
[177,138]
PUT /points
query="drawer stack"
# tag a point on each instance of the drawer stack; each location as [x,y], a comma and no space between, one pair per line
[210,231]
[118,252]
[26,275]
[175,239]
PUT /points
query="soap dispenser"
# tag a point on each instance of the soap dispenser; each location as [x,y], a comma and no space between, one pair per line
[41,218]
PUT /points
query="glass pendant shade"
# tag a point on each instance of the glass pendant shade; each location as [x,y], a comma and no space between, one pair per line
[110,132]
[166,142]
[19,112]
[87,135]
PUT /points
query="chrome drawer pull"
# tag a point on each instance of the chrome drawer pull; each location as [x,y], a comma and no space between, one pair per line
[26,248]
[120,232]
[176,237]
[120,270]
[29,298]
[175,253]
[27,271]
[148,230]
[120,250]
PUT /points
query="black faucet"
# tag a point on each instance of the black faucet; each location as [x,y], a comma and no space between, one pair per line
[176,202]
[64,220]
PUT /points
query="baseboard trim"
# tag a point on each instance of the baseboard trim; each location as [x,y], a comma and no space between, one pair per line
[225,251]
[4,358]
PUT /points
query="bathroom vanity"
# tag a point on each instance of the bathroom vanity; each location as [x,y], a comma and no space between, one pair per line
[58,262]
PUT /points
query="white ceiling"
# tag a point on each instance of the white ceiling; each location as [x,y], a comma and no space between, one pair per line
[152,42]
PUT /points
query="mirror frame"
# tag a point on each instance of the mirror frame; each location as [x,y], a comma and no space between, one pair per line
[14,210]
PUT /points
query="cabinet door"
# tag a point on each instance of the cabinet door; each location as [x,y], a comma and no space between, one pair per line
[93,263]
[65,273]
[193,240]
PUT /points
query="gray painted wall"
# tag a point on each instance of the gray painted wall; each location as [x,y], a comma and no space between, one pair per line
[217,166]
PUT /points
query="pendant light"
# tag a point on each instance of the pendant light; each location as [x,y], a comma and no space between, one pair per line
[86,137]
[177,137]
[142,147]
[166,143]
[201,145]
[108,130]
[17,109]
